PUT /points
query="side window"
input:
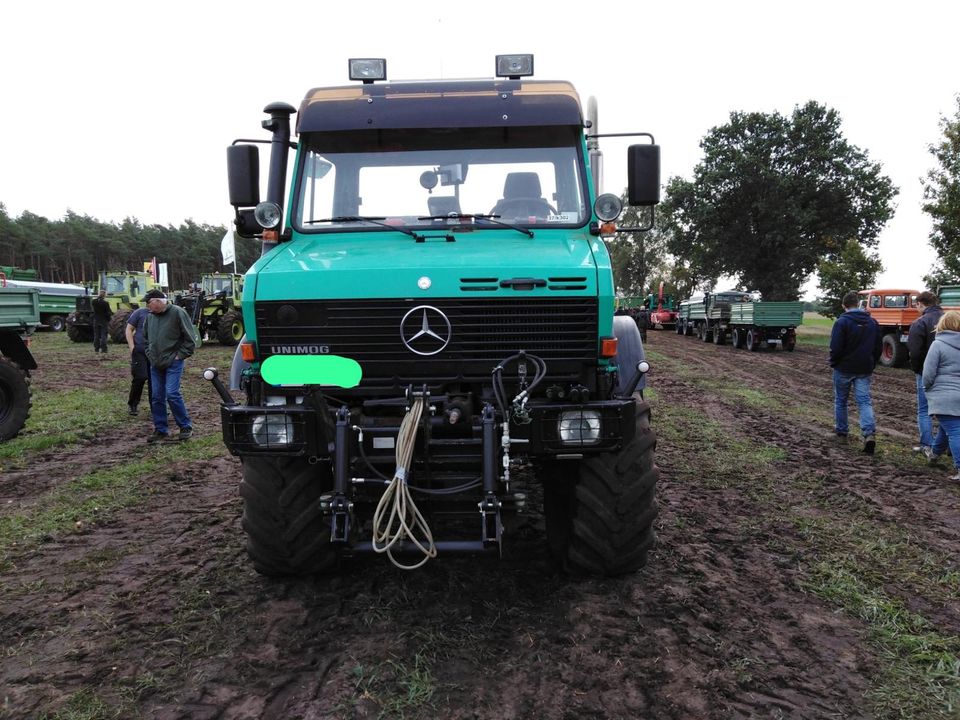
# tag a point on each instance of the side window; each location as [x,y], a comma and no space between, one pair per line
[875,301]
[895,301]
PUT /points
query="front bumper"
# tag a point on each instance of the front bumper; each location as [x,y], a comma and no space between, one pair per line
[298,430]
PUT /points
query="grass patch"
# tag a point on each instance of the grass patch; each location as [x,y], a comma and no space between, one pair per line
[95,495]
[921,671]
[66,417]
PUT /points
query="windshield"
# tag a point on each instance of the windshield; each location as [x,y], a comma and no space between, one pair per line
[213,285]
[416,178]
[113,284]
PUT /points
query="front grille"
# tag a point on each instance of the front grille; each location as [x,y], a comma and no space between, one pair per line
[483,331]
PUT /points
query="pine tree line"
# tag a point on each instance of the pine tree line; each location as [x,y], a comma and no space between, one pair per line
[75,248]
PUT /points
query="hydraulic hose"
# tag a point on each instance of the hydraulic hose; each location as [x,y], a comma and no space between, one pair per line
[397,518]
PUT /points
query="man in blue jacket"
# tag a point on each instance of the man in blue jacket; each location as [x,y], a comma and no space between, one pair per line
[855,347]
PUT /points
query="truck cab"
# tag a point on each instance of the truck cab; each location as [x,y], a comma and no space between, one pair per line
[894,310]
[433,308]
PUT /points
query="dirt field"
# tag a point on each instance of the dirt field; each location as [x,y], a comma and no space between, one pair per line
[795,577]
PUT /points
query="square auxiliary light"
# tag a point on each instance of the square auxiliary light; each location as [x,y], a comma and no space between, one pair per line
[368,69]
[514,66]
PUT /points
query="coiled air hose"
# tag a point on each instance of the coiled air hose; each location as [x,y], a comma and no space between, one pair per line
[397,518]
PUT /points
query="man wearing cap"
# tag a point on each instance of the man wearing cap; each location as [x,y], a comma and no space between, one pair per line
[101,322]
[170,339]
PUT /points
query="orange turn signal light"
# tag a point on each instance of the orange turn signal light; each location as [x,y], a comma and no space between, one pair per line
[608,347]
[271,236]
[608,228]
[248,351]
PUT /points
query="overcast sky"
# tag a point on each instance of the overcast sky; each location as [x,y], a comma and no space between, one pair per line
[125,109]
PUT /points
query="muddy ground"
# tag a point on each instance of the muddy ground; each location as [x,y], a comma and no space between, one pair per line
[149,607]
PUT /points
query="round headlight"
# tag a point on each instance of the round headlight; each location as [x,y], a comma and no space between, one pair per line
[267,215]
[608,207]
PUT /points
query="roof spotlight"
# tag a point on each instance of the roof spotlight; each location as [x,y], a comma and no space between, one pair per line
[368,69]
[514,66]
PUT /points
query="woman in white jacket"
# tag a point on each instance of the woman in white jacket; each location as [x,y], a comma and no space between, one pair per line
[941,381]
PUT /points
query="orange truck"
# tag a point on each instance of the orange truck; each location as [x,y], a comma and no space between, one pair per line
[894,310]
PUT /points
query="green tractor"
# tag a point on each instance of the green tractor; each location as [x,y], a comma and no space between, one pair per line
[125,291]
[214,307]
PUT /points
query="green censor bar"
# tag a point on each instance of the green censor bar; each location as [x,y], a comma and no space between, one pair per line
[311,370]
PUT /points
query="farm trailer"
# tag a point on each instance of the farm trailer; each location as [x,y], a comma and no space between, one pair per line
[434,307]
[19,315]
[57,301]
[754,324]
[701,314]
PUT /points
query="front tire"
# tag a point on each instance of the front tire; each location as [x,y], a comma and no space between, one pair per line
[894,352]
[78,333]
[117,328]
[14,399]
[287,532]
[230,328]
[600,511]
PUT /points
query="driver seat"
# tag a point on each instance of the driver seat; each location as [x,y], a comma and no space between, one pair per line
[521,187]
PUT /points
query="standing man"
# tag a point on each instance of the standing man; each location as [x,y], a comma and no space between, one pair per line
[855,347]
[921,336]
[170,339]
[643,320]
[101,321]
[139,365]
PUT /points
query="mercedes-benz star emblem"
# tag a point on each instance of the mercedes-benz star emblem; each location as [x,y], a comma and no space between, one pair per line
[425,330]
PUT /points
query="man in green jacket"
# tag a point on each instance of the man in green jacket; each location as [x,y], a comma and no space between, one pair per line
[170,339]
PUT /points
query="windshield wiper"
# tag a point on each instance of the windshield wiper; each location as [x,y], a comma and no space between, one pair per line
[478,216]
[364,218]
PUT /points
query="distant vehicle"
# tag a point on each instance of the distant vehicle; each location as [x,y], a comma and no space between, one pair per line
[893,310]
[19,315]
[663,314]
[125,291]
[57,300]
[214,307]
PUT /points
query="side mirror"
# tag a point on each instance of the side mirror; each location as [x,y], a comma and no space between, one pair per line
[243,175]
[643,174]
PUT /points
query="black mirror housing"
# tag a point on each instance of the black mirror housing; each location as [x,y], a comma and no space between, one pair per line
[247,226]
[243,175]
[643,174]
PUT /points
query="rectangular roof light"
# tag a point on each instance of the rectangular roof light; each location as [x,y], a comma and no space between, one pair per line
[514,66]
[368,69]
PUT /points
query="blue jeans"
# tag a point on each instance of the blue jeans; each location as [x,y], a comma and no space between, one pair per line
[924,421]
[861,393]
[949,435]
[165,389]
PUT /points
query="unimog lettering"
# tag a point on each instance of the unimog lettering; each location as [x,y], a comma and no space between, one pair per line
[498,377]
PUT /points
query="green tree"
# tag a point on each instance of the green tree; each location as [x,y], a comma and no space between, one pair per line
[941,195]
[851,269]
[772,196]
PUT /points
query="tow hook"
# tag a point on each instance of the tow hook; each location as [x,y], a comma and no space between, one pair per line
[211,374]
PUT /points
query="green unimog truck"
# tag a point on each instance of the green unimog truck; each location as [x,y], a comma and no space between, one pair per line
[433,307]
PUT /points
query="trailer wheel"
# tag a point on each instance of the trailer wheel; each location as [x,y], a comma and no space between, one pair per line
[117,328]
[14,399]
[78,333]
[287,532]
[599,511]
[894,352]
[56,323]
[753,340]
[230,328]
[736,338]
